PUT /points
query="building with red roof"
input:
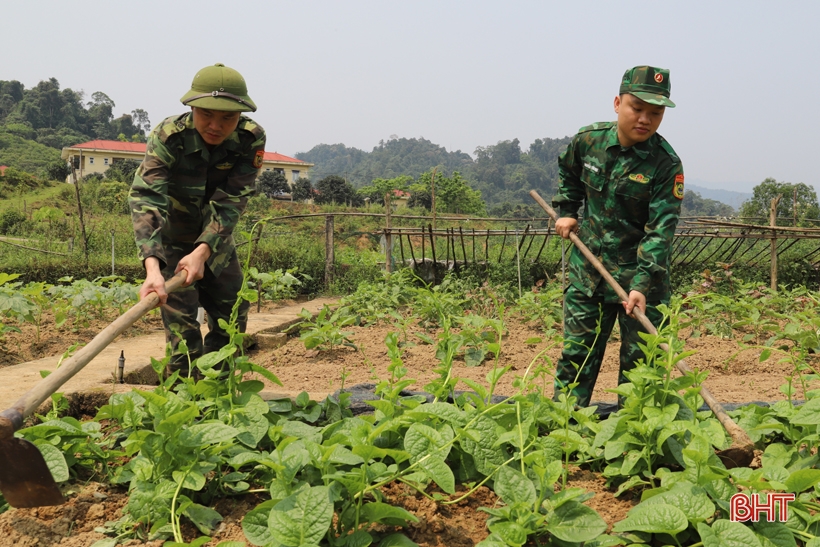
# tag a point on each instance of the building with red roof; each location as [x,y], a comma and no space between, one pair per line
[98,155]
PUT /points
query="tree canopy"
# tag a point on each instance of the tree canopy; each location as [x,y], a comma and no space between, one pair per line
[797,202]
[335,189]
[302,190]
[502,172]
[271,183]
[62,117]
[453,194]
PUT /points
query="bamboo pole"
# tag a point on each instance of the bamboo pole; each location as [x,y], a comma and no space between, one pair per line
[432,248]
[412,254]
[401,246]
[461,236]
[473,245]
[388,237]
[329,251]
[80,211]
[773,222]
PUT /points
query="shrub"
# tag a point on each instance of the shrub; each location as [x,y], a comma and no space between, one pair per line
[11,221]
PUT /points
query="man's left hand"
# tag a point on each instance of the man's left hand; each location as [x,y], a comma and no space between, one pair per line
[194,263]
[635,299]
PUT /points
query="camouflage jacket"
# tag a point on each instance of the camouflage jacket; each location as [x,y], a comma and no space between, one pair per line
[184,194]
[632,198]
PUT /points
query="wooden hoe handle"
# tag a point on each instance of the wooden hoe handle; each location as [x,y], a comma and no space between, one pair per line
[735,431]
[12,419]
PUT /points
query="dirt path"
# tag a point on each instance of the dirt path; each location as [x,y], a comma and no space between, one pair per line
[138,350]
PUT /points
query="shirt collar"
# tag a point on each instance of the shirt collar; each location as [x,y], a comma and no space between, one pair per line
[642,149]
[195,143]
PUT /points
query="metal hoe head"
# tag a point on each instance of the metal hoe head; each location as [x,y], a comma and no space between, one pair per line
[25,479]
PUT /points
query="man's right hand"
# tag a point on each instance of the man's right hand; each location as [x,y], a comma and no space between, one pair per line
[154,282]
[566,226]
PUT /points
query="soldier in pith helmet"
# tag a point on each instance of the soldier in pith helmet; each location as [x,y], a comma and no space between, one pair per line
[199,169]
[629,181]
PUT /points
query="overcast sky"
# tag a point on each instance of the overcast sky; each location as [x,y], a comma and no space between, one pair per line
[462,74]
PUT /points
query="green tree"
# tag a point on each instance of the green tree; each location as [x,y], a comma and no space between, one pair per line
[302,190]
[122,171]
[57,170]
[101,114]
[379,188]
[271,183]
[124,125]
[141,121]
[335,189]
[798,200]
[453,194]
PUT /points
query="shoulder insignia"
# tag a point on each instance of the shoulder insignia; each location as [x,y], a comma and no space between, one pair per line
[596,127]
[669,150]
[247,124]
[170,126]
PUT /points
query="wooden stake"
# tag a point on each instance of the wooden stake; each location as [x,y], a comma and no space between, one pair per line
[329,252]
[461,236]
[773,222]
[388,236]
[80,212]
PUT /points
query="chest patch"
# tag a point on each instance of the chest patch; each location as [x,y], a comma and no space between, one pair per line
[223,166]
[591,167]
[637,177]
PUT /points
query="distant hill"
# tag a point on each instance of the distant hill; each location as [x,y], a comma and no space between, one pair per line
[729,197]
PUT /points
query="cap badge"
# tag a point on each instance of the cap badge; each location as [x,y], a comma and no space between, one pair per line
[659,77]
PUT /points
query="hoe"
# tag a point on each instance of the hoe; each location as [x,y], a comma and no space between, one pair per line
[25,480]
[741,452]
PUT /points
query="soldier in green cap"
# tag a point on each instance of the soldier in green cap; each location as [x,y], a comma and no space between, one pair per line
[630,182]
[199,169]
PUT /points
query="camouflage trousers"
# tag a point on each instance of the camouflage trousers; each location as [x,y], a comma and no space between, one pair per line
[583,353]
[179,315]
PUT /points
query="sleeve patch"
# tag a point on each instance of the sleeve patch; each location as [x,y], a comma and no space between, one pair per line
[677,188]
[258,158]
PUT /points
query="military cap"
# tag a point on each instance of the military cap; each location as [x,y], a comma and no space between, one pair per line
[219,88]
[649,84]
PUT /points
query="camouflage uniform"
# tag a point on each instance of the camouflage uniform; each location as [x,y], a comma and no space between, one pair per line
[632,199]
[183,195]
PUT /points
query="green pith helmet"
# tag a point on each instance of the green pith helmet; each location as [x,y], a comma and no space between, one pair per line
[219,88]
[649,84]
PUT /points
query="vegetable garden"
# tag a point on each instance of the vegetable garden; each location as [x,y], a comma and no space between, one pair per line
[193,460]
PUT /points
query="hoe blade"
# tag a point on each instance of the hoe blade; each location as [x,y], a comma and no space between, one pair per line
[25,479]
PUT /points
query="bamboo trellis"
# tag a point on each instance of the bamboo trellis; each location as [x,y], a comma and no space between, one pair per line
[698,242]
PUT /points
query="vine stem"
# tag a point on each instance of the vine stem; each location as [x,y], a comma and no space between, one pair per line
[174,517]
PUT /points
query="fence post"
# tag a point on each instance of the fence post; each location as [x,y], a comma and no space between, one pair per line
[773,222]
[329,256]
[112,252]
[388,237]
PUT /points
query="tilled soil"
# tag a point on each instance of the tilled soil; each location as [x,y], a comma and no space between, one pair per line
[461,524]
[734,376]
